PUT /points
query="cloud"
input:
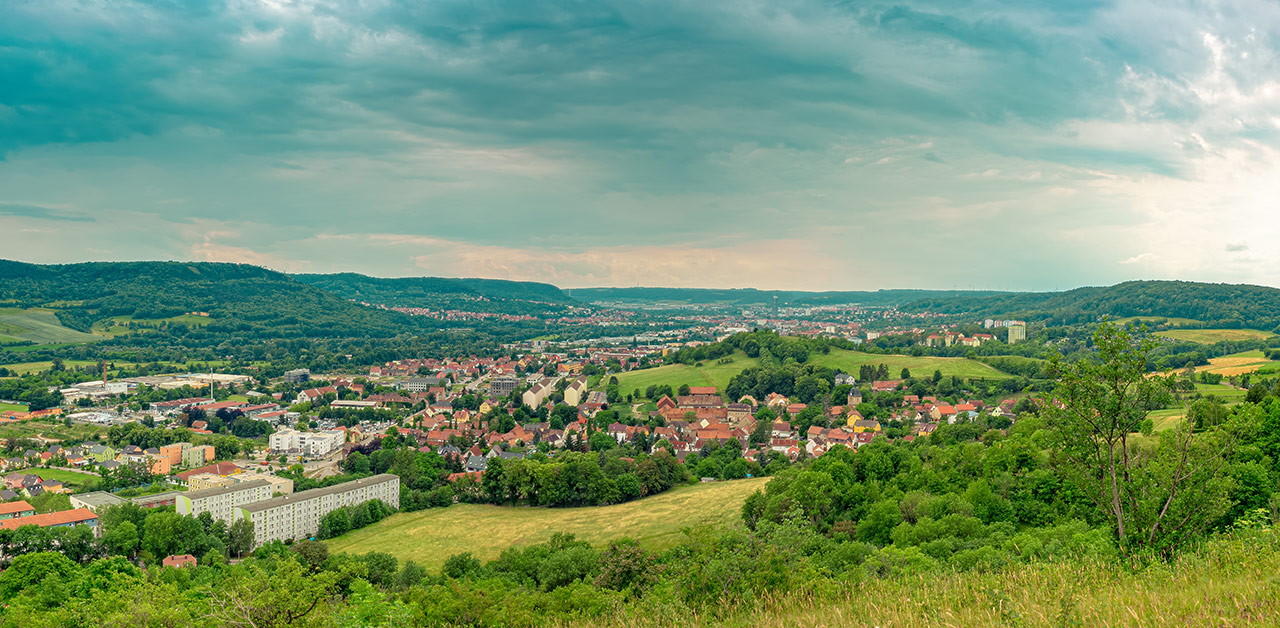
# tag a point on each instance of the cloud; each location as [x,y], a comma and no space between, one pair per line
[41,213]
[1237,248]
[652,142]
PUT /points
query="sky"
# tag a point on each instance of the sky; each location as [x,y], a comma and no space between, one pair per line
[781,144]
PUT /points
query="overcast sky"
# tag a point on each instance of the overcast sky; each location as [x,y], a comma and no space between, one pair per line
[801,144]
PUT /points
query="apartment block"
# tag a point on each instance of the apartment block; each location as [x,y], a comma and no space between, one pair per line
[306,443]
[197,456]
[297,516]
[221,502]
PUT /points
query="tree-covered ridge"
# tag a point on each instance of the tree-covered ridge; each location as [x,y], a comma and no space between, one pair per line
[1216,305]
[752,296]
[435,291]
[240,300]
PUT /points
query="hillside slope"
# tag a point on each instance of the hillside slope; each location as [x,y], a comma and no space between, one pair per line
[1213,304]
[239,299]
[492,295]
[752,296]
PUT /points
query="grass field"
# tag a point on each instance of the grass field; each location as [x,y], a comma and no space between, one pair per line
[124,325]
[1225,583]
[70,478]
[38,325]
[922,366]
[718,375]
[1228,394]
[23,368]
[1166,419]
[1211,336]
[430,537]
[5,407]
[710,374]
[51,430]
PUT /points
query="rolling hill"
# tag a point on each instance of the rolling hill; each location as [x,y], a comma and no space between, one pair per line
[440,292]
[40,326]
[752,296]
[240,300]
[1213,305]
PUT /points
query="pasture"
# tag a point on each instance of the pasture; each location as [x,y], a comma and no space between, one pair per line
[920,366]
[38,325]
[1211,336]
[429,537]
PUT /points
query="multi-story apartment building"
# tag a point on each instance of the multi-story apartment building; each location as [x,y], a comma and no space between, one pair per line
[576,392]
[306,443]
[503,385]
[298,516]
[222,501]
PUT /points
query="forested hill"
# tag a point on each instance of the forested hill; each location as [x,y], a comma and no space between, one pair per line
[240,300]
[1212,304]
[752,296]
[432,291]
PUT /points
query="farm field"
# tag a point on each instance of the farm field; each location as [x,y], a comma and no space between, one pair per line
[70,478]
[1228,394]
[1210,336]
[39,326]
[429,537]
[1157,320]
[1237,363]
[922,366]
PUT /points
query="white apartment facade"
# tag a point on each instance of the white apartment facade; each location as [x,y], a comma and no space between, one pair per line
[222,501]
[289,441]
[298,516]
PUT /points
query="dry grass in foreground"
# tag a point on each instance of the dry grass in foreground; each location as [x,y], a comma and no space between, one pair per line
[1230,583]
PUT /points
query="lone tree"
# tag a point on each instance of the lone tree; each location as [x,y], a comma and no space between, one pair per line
[1157,491]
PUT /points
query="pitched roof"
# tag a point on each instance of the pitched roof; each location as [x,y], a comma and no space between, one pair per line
[65,517]
[15,507]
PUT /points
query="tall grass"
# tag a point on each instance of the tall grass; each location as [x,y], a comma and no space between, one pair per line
[1231,581]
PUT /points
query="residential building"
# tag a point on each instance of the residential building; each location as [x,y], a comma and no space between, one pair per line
[61,519]
[179,561]
[279,485]
[297,375]
[157,500]
[503,386]
[222,501]
[419,384]
[205,481]
[297,516]
[95,500]
[575,392]
[537,394]
[1017,332]
[13,510]
[313,444]
[198,455]
[173,453]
